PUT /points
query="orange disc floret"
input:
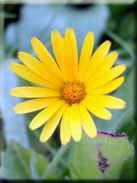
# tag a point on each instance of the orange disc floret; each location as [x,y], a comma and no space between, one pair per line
[73,92]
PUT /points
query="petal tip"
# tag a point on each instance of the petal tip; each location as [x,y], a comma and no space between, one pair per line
[34,38]
[20,53]
[14,109]
[123,104]
[64,143]
[109,42]
[77,139]
[53,32]
[109,117]
[125,67]
[42,140]
[31,127]
[11,92]
[94,136]
[11,67]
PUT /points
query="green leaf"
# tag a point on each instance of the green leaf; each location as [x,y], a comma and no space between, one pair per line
[100,158]
[116,149]
[21,163]
[128,169]
[16,162]
[83,163]
[130,29]
[129,128]
[117,10]
[121,42]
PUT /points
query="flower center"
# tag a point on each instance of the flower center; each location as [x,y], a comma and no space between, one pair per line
[73,92]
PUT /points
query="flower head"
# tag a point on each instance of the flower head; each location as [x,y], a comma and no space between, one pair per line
[70,91]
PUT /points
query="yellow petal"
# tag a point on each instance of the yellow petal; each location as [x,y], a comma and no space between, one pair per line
[33,92]
[86,53]
[75,122]
[27,74]
[109,101]
[107,77]
[39,68]
[97,59]
[52,123]
[44,55]
[106,64]
[45,114]
[58,48]
[65,134]
[87,122]
[73,42]
[109,87]
[96,109]
[71,54]
[31,105]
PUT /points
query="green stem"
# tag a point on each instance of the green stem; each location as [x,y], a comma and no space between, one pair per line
[55,161]
[51,150]
[46,145]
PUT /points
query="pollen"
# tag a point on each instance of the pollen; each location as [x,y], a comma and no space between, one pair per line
[73,92]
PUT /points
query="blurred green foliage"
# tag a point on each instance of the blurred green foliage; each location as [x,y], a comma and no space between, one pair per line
[20,163]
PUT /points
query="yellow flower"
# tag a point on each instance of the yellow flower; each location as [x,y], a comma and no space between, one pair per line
[69,90]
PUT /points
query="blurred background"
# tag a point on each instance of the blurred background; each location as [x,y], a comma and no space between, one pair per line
[22,155]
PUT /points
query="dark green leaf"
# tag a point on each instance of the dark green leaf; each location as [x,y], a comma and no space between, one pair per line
[128,169]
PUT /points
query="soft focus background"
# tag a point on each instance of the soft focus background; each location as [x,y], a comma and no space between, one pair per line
[22,155]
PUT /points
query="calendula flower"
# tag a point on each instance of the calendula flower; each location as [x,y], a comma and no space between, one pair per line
[70,91]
